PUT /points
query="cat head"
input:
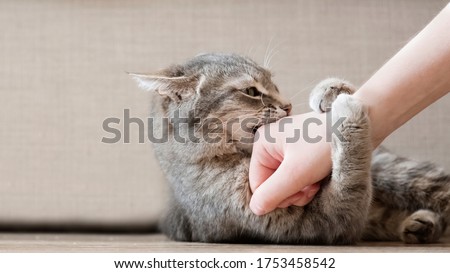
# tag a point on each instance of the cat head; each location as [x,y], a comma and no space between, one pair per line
[219,88]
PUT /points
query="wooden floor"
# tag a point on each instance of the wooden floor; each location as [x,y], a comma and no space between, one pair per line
[66,242]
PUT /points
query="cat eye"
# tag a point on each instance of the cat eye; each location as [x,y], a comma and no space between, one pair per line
[252,92]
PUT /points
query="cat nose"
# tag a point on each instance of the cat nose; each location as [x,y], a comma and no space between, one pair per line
[287,108]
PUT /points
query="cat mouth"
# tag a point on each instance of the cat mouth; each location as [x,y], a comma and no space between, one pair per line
[261,123]
[256,127]
[270,115]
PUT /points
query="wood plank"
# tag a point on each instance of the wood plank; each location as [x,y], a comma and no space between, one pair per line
[67,242]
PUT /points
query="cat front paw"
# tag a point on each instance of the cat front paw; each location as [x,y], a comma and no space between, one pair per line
[350,108]
[423,226]
[326,92]
[349,117]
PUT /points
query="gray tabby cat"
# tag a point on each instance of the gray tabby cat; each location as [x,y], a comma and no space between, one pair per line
[386,197]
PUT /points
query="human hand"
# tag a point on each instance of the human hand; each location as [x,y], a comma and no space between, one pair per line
[288,160]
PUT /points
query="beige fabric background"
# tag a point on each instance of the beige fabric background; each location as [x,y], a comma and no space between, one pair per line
[62,69]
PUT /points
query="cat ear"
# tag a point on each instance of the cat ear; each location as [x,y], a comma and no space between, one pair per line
[175,88]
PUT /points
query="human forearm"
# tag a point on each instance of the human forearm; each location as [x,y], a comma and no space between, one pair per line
[417,76]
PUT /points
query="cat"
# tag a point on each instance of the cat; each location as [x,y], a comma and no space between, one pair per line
[369,195]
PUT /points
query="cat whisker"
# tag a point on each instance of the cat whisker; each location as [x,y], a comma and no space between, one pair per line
[252,112]
[243,116]
[273,52]
[300,104]
[250,51]
[247,115]
[270,57]
[267,52]
[200,126]
[307,88]
[262,101]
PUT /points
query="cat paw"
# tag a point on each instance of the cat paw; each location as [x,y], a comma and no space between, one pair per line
[346,106]
[326,92]
[349,122]
[423,226]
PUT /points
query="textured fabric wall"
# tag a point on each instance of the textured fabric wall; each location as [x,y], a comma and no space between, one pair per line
[62,69]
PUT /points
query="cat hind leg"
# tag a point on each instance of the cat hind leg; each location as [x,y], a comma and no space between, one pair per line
[423,226]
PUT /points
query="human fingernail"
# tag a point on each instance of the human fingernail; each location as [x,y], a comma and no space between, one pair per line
[257,209]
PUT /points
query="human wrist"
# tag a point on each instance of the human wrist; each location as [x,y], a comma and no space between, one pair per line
[382,122]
